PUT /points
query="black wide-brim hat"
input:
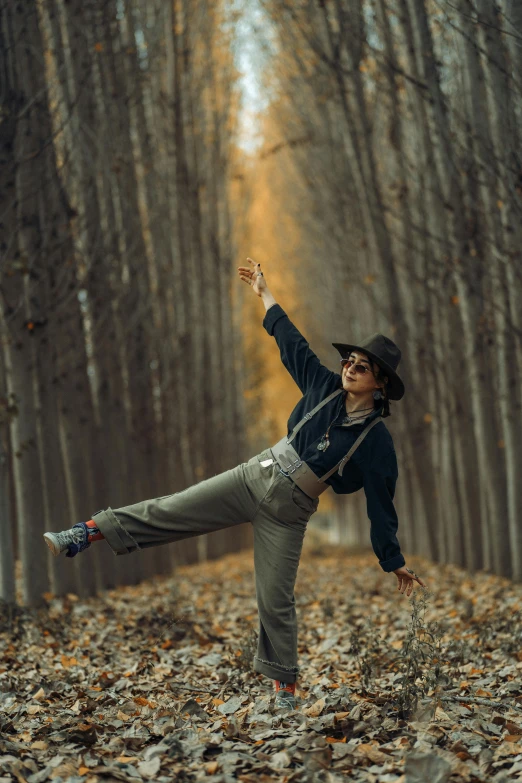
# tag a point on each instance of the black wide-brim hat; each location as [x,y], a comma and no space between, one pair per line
[385,353]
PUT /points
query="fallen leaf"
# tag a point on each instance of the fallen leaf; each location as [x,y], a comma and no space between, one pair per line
[371,752]
[230,706]
[422,767]
[315,709]
[149,769]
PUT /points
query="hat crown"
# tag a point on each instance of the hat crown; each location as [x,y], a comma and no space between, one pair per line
[385,352]
[383,348]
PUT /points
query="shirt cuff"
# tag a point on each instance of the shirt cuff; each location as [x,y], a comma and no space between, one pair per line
[273,314]
[394,562]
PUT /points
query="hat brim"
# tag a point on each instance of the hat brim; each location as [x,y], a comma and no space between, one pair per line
[395,386]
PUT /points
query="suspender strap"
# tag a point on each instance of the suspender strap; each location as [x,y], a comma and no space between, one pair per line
[311,413]
[357,443]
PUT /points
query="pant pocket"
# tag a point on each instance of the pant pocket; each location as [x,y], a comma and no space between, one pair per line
[303,501]
[259,479]
[280,504]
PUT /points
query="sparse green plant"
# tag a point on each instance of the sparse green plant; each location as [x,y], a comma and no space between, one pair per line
[419,659]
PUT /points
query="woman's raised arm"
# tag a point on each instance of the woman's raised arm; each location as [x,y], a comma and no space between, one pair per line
[296,355]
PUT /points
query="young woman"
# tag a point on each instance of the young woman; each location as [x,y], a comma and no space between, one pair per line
[336,437]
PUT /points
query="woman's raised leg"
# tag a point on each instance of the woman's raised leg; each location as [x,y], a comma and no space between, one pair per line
[218,502]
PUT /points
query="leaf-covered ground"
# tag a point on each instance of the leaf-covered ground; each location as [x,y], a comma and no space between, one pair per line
[155,682]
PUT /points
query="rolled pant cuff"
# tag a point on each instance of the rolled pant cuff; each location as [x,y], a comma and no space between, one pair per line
[114,533]
[276,671]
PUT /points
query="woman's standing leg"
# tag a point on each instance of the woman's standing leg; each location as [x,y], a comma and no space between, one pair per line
[279,529]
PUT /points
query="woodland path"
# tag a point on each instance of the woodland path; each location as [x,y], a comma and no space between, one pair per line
[154,682]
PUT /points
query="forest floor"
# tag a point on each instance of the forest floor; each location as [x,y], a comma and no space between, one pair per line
[154,682]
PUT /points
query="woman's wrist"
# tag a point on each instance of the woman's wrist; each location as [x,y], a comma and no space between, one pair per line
[268,299]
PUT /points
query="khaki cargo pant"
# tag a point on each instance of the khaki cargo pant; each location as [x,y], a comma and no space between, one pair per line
[279,512]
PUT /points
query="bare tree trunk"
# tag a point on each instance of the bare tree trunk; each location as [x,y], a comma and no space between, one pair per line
[25,135]
[506,285]
[7,551]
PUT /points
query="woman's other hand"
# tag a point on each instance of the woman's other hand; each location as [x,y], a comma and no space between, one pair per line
[406,578]
[251,276]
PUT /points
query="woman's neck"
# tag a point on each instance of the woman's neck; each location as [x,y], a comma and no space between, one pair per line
[364,405]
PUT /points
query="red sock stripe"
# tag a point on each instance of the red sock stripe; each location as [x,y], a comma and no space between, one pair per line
[288,686]
[96,536]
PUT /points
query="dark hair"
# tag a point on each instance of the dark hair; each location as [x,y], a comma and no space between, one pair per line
[381,377]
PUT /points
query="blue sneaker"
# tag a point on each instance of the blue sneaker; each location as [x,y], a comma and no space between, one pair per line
[74,540]
[285,700]
[285,695]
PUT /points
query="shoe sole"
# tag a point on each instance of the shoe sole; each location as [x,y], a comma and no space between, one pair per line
[52,543]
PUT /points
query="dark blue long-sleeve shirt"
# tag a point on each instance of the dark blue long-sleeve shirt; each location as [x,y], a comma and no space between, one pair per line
[373,466]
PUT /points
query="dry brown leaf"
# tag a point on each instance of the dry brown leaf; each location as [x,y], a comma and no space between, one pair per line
[371,752]
[315,709]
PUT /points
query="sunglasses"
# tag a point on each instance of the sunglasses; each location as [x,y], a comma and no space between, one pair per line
[359,368]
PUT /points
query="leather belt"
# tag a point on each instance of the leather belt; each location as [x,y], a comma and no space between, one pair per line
[291,465]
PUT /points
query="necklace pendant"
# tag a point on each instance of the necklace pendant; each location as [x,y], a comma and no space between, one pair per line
[323,444]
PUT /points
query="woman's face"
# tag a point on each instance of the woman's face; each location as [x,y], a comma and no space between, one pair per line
[359,383]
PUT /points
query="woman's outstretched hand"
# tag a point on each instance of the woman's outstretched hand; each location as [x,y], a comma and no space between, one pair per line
[406,578]
[251,276]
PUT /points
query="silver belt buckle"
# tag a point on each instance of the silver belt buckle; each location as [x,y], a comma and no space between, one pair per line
[292,466]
